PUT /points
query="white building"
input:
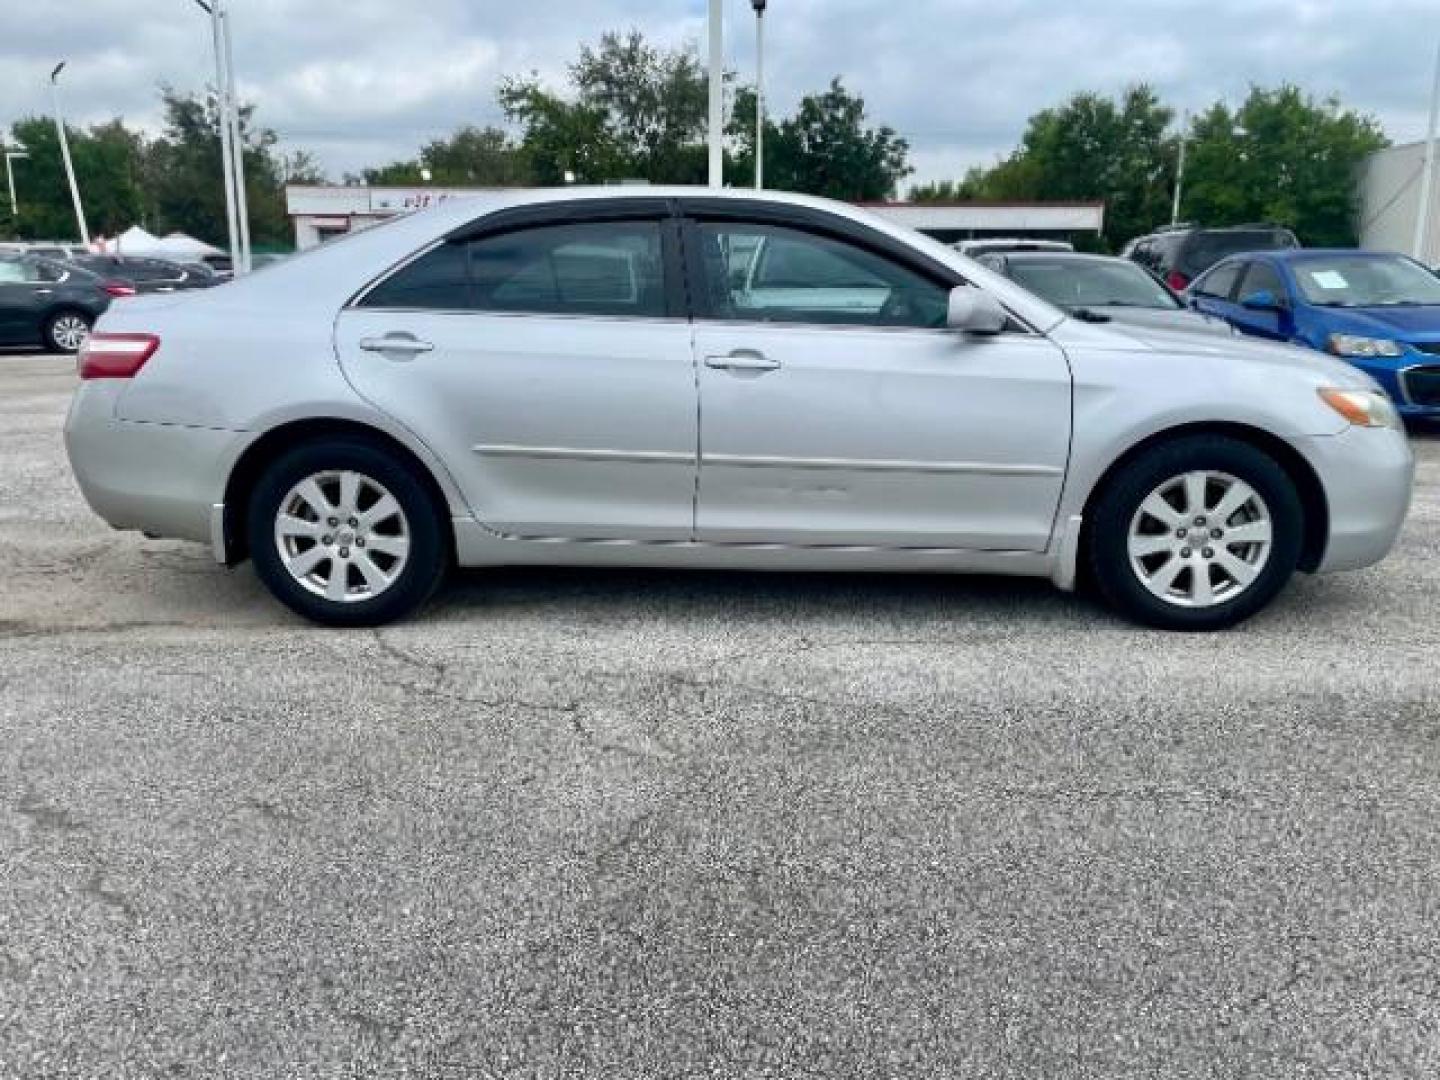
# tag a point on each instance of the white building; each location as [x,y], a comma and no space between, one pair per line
[319,213]
[1390,202]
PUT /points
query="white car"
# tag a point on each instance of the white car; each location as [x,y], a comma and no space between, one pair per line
[587,377]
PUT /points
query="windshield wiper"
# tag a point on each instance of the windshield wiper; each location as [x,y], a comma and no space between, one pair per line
[1090,315]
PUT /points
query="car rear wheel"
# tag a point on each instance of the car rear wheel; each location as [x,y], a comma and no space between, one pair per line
[345,533]
[66,331]
[1196,534]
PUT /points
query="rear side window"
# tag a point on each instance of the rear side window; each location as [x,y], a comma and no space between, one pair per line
[597,268]
[1220,282]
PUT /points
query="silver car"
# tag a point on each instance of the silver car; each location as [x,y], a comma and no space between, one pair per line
[583,377]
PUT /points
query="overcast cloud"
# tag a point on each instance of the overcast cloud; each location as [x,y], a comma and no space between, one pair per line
[361,82]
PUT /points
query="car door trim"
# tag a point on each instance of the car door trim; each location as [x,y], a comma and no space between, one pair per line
[760,461]
[585,453]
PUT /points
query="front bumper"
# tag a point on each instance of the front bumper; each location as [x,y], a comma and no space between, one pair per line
[161,479]
[1368,475]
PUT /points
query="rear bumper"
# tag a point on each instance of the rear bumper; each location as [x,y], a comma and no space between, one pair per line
[1368,475]
[162,479]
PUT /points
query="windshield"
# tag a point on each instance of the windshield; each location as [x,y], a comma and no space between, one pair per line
[1075,283]
[1366,281]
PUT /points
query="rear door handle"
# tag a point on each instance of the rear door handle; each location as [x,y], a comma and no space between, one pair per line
[43,292]
[742,360]
[396,346]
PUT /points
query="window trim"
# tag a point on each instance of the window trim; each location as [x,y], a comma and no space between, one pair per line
[699,210]
[548,215]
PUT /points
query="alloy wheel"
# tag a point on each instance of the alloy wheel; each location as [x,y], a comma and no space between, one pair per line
[342,535]
[1200,539]
[69,332]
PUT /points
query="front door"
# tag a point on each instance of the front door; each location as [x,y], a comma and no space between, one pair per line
[550,369]
[832,418]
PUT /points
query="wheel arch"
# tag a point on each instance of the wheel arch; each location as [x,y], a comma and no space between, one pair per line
[1314,504]
[259,454]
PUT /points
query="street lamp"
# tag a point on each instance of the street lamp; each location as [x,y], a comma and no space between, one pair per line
[716,119]
[759,6]
[65,154]
[232,154]
[15,153]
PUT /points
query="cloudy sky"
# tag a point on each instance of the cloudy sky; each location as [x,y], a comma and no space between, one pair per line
[365,81]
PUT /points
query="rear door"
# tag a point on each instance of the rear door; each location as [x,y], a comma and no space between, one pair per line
[830,422]
[24,298]
[545,355]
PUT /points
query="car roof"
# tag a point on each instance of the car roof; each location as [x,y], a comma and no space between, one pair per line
[347,264]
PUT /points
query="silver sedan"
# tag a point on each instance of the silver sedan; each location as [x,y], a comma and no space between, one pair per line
[682,377]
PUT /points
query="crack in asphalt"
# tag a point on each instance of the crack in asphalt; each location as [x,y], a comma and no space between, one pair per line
[45,816]
[438,690]
[95,887]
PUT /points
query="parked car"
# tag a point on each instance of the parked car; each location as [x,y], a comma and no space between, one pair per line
[46,249]
[1178,255]
[995,244]
[148,275]
[221,265]
[471,385]
[1379,311]
[51,304]
[1101,288]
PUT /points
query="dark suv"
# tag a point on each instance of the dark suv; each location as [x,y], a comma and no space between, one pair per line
[1180,254]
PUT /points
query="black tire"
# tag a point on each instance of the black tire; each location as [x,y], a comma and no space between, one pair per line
[429,552]
[1116,506]
[53,322]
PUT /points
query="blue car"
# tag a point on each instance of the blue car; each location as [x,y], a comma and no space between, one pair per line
[1379,311]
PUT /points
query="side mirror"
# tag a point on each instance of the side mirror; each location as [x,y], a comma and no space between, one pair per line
[1263,300]
[974,311]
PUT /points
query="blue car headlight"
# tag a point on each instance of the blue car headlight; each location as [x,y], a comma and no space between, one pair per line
[1353,345]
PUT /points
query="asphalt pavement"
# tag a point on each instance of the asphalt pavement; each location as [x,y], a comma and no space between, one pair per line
[626,824]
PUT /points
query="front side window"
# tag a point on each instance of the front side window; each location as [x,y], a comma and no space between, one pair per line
[777,274]
[1220,282]
[590,268]
[1262,277]
[18,273]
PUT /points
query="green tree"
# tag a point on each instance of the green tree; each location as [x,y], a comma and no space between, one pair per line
[825,148]
[637,111]
[1092,147]
[486,157]
[1281,157]
[184,173]
[109,167]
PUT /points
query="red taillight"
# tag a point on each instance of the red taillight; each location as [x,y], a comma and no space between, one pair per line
[1177,281]
[115,356]
[115,288]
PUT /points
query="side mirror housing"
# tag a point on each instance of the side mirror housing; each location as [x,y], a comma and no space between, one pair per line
[1263,300]
[974,311]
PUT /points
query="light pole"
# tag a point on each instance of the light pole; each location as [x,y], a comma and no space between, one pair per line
[1427,174]
[231,154]
[759,6]
[717,94]
[65,154]
[14,154]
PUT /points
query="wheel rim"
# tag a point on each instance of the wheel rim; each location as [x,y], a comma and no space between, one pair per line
[69,332]
[342,536]
[1200,539]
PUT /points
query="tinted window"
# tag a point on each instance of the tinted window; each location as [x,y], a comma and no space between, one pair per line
[16,273]
[150,270]
[775,274]
[438,280]
[1205,249]
[600,268]
[1220,281]
[1262,277]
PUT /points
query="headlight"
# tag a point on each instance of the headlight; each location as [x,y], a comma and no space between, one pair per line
[1352,345]
[1363,408]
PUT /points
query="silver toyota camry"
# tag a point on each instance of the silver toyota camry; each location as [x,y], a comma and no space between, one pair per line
[683,377]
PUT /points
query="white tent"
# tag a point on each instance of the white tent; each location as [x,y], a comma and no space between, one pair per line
[176,245]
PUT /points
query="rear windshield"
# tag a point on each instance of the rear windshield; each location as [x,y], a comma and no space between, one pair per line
[1205,249]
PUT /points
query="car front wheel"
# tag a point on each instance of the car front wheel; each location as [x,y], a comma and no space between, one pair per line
[1196,534]
[345,533]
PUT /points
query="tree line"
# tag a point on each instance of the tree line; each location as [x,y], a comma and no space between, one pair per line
[634,110]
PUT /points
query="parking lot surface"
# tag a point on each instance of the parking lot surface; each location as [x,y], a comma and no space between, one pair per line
[625,824]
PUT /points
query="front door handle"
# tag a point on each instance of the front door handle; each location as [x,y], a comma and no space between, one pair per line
[43,292]
[742,360]
[396,346]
